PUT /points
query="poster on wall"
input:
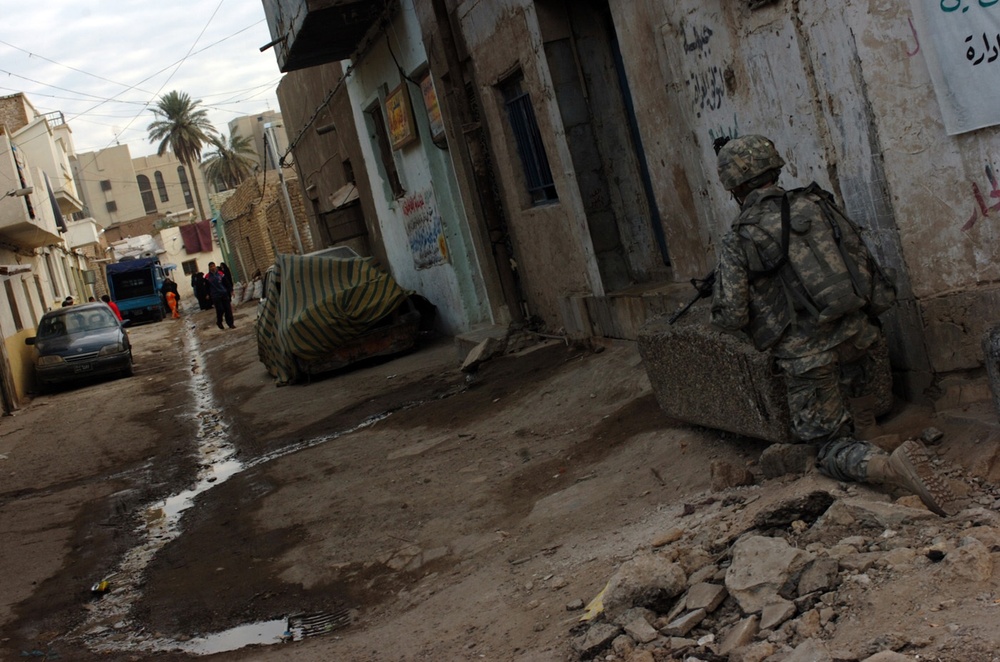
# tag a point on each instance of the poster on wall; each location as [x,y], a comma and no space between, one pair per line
[433,108]
[424,230]
[960,41]
[402,129]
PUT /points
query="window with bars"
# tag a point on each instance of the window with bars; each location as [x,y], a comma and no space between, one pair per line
[161,186]
[185,188]
[534,161]
[146,192]
[105,184]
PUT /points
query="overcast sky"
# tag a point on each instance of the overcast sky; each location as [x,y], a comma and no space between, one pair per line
[104,62]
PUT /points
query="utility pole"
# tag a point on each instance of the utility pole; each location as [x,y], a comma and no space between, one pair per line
[272,155]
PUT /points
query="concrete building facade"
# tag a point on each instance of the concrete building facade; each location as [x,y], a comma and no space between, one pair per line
[329,160]
[38,269]
[589,127]
[252,126]
[116,188]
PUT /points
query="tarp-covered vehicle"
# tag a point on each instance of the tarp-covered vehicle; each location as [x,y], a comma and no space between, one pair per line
[321,313]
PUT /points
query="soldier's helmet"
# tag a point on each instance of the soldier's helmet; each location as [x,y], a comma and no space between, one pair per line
[746,157]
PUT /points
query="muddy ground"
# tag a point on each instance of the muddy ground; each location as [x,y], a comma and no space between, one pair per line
[444,516]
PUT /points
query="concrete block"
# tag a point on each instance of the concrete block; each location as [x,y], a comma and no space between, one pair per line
[702,376]
[991,354]
[740,635]
[706,596]
[681,626]
[954,326]
[466,342]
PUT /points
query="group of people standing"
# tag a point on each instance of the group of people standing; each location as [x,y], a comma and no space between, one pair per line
[211,290]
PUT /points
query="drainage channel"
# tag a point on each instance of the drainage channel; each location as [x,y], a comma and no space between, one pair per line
[108,626]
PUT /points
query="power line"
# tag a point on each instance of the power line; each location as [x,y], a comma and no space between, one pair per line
[86,73]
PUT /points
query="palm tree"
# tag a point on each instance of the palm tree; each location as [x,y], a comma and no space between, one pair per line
[231,162]
[183,127]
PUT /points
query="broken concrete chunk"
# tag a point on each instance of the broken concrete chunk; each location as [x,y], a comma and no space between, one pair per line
[780,459]
[597,638]
[706,596]
[859,562]
[726,475]
[878,514]
[808,625]
[761,566]
[483,352]
[810,650]
[673,535]
[640,630]
[645,581]
[931,435]
[681,626]
[702,575]
[740,635]
[758,652]
[575,605]
[820,575]
[630,615]
[971,562]
[775,614]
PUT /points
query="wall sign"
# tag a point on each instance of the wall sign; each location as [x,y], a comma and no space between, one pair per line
[960,40]
[433,108]
[424,230]
[402,129]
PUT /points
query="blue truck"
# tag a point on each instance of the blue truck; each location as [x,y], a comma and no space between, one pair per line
[134,285]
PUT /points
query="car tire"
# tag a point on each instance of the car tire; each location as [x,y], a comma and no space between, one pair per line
[128,370]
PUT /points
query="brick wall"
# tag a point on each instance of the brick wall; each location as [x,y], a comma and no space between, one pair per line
[12,112]
[256,223]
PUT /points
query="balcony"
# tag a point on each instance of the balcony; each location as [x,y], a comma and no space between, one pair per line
[307,33]
[27,222]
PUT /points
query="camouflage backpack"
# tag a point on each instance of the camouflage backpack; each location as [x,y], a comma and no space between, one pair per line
[825,267]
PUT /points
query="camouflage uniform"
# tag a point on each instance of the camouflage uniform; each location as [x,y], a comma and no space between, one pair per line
[823,363]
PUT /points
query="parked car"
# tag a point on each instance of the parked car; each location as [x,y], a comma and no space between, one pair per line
[78,342]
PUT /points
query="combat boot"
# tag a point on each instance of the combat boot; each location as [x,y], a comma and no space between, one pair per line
[909,468]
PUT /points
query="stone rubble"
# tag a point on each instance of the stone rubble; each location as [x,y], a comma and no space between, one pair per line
[745,578]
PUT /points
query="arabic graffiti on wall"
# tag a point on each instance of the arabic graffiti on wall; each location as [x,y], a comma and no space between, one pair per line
[730,132]
[981,205]
[423,230]
[960,39]
[705,79]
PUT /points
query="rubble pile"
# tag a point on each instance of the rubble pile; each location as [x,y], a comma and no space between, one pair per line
[800,579]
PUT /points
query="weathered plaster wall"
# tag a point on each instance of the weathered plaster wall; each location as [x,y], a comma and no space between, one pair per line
[456,286]
[552,243]
[844,92]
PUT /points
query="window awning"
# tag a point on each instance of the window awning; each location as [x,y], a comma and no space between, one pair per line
[344,196]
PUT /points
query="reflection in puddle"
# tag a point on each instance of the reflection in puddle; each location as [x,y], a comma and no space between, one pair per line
[268,632]
[108,625]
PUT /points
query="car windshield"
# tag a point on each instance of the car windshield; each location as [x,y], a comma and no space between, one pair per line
[76,323]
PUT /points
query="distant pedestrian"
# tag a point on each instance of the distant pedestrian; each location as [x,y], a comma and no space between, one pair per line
[221,296]
[172,304]
[68,301]
[227,277]
[112,305]
[169,286]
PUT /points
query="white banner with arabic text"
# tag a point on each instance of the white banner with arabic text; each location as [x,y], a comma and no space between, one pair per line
[960,40]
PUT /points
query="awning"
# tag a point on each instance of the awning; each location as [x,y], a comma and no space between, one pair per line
[344,196]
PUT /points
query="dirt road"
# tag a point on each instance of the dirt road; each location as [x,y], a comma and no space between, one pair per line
[420,513]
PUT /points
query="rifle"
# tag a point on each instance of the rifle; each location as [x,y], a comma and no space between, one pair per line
[704,286]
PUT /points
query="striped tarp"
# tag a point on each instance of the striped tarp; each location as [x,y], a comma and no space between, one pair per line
[316,304]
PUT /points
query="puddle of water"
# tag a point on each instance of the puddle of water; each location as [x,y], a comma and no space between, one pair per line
[266,633]
[108,626]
